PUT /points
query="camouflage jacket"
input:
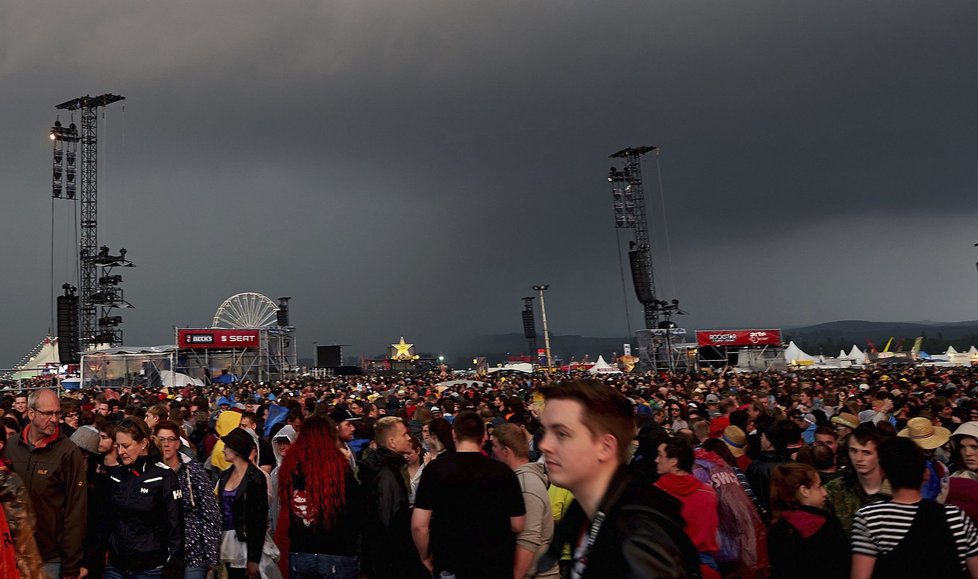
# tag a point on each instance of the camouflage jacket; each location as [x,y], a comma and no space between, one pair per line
[846,496]
[20,518]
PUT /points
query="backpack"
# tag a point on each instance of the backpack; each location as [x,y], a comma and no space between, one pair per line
[741,534]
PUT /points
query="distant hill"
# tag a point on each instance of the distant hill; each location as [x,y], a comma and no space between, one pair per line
[827,338]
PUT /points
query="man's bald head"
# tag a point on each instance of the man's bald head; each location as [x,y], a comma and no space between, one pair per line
[43,396]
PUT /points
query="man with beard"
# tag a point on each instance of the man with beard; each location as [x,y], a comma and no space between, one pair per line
[345,431]
[53,470]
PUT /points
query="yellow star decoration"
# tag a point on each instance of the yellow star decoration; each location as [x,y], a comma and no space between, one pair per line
[403,350]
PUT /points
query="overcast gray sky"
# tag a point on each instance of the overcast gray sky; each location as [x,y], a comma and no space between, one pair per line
[412,167]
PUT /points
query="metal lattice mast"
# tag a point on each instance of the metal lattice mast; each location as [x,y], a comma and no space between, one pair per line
[629,193]
[89,221]
[89,248]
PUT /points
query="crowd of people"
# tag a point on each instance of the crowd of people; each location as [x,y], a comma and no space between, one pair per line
[845,473]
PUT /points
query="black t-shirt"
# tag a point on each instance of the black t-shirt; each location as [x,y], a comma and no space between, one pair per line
[471,499]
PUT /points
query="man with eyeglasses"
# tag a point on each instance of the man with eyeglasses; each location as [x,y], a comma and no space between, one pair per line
[53,470]
[69,417]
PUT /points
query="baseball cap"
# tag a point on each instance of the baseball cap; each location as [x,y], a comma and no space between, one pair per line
[342,413]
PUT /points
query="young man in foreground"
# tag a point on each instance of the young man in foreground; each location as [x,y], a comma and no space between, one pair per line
[617,526]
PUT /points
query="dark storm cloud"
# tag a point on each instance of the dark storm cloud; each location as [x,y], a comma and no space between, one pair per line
[412,167]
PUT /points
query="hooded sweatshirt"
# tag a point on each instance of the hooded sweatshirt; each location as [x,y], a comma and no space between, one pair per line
[538,531]
[287,432]
[226,422]
[699,508]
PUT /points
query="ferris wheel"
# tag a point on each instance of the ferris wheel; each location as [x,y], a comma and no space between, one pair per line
[246,310]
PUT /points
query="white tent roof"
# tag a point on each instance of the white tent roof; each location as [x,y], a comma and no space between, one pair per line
[602,367]
[857,355]
[517,367]
[793,354]
[973,350]
[951,350]
[173,379]
[44,354]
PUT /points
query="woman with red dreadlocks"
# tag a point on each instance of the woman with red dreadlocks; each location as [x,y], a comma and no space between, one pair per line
[324,505]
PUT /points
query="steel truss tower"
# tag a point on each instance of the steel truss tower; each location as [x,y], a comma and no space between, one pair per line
[628,194]
[628,197]
[93,257]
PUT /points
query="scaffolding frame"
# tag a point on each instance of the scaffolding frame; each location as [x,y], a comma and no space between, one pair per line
[275,358]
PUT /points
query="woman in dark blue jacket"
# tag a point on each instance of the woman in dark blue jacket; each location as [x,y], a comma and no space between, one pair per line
[145,523]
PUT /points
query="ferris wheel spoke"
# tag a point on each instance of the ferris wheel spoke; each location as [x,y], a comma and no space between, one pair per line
[246,310]
[236,315]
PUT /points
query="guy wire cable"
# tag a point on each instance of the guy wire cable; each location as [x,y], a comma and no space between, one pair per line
[665,224]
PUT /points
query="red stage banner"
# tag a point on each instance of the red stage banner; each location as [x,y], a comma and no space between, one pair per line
[207,338]
[738,338]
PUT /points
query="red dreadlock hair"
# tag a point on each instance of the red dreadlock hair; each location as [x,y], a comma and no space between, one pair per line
[316,458]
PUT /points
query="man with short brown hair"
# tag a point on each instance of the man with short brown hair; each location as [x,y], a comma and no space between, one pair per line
[630,528]
[864,482]
[510,447]
[468,509]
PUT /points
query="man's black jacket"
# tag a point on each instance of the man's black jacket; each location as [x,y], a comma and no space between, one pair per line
[641,537]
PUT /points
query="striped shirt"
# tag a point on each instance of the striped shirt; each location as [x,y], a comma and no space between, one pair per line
[878,527]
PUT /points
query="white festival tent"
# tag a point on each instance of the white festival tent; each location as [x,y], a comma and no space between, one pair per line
[856,355]
[602,367]
[173,379]
[956,358]
[38,360]
[794,355]
[524,367]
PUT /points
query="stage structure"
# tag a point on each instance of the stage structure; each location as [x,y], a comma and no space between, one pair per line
[754,350]
[249,338]
[661,343]
[93,322]
[401,357]
[118,368]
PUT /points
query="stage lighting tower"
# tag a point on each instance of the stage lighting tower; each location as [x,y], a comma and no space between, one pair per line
[91,332]
[546,331]
[628,201]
